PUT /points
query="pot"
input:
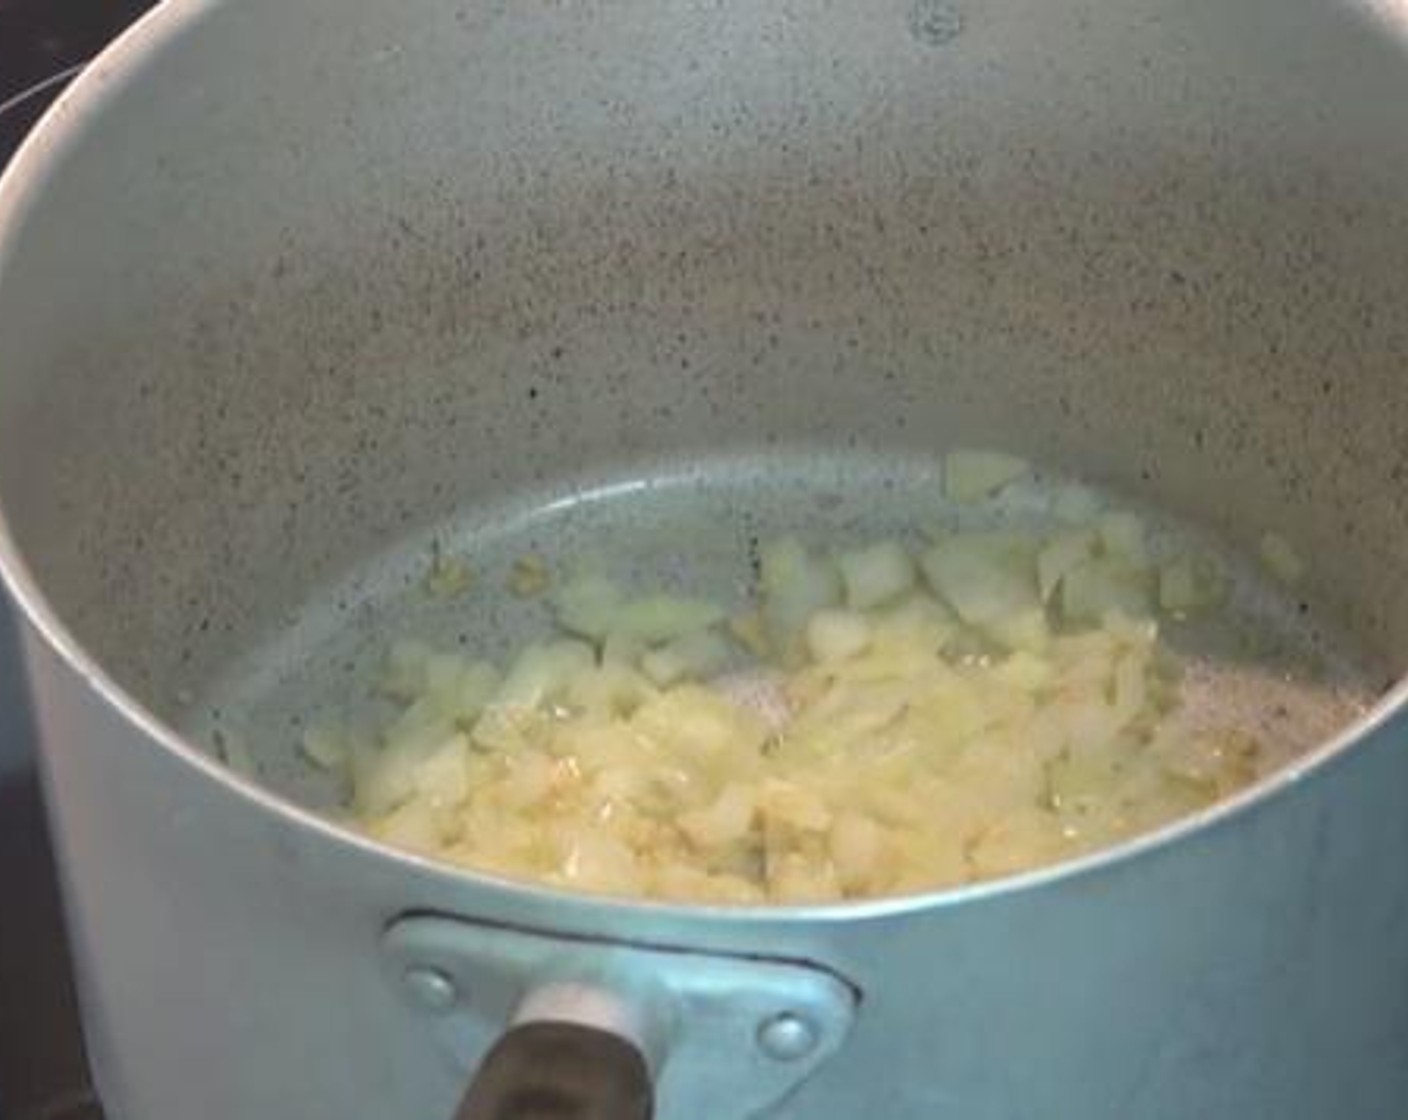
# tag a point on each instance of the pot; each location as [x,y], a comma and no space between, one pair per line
[290,290]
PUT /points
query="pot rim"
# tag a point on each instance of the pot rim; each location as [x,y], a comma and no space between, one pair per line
[22,183]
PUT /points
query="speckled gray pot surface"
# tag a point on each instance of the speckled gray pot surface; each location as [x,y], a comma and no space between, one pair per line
[289,290]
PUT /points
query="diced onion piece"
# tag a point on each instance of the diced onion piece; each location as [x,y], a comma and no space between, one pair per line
[422,721]
[234,751]
[1086,774]
[875,575]
[442,673]
[412,826]
[478,684]
[695,656]
[972,475]
[1097,588]
[1063,552]
[404,676]
[726,821]
[1186,586]
[384,779]
[442,779]
[857,848]
[660,618]
[1016,840]
[983,576]
[834,635]
[541,672]
[598,860]
[1025,630]
[1122,536]
[999,776]
[918,620]
[700,723]
[1129,688]
[529,780]
[794,584]
[456,690]
[1281,559]
[917,610]
[610,691]
[794,878]
[326,748]
[792,804]
[883,741]
[1025,672]
[587,605]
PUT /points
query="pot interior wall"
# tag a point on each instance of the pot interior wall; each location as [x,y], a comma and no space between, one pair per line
[315,277]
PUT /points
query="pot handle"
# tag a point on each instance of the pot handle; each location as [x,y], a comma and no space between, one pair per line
[574,1051]
[597,1030]
[558,1070]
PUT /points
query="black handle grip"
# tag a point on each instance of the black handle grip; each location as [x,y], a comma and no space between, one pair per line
[549,1070]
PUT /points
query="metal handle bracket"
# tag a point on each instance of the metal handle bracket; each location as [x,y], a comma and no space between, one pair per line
[713,1027]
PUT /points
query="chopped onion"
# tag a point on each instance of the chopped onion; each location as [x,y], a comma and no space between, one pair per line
[1187,586]
[587,605]
[794,584]
[1013,707]
[235,753]
[1093,591]
[983,576]
[404,677]
[972,475]
[326,748]
[1064,552]
[659,618]
[695,656]
[542,671]
[1122,537]
[875,575]
[834,635]
[726,821]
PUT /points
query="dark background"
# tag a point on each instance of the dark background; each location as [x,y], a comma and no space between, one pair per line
[40,38]
[42,1072]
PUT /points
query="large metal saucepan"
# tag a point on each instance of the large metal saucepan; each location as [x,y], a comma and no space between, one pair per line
[285,283]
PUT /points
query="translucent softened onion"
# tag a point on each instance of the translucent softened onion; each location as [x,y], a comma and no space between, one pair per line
[990,703]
